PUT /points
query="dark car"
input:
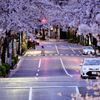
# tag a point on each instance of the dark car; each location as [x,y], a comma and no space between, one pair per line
[31,43]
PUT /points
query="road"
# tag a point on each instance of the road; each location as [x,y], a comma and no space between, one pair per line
[39,77]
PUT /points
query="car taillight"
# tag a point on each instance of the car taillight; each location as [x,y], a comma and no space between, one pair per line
[37,41]
[30,39]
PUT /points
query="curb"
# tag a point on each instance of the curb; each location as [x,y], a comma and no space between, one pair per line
[7,75]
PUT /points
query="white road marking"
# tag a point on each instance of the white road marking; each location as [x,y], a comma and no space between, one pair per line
[56,54]
[34,55]
[39,63]
[77,90]
[66,54]
[38,70]
[36,74]
[61,54]
[77,55]
[72,54]
[72,49]
[28,55]
[64,68]
[57,49]
[79,52]
[30,94]
[35,87]
[50,54]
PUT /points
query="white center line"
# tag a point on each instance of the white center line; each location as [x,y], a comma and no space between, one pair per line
[39,63]
[38,70]
[57,49]
[36,74]
[30,94]
[64,68]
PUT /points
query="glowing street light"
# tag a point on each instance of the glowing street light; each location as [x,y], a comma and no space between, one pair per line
[44,20]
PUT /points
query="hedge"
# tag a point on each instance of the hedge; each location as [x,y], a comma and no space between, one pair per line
[24,47]
[14,61]
[7,66]
[2,70]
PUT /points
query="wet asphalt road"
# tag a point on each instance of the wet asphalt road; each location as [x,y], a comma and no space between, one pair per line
[44,77]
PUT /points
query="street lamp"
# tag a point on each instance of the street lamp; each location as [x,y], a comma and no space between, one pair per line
[44,20]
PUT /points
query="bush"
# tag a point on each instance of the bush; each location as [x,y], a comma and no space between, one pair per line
[70,40]
[3,70]
[24,47]
[13,63]
[42,38]
[0,73]
[7,66]
[16,59]
[82,43]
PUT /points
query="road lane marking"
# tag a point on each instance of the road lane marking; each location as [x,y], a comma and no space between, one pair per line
[38,70]
[30,94]
[72,54]
[50,54]
[72,49]
[37,74]
[80,52]
[39,63]
[35,87]
[77,90]
[57,49]
[61,54]
[64,68]
[77,55]
[67,54]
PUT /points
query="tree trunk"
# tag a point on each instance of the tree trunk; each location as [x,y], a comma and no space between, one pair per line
[4,50]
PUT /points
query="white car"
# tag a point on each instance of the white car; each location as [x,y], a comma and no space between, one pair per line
[88,50]
[90,67]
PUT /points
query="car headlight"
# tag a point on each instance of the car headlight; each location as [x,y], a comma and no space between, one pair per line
[93,51]
[86,68]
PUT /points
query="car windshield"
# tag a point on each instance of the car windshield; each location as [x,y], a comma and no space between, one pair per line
[92,62]
[88,48]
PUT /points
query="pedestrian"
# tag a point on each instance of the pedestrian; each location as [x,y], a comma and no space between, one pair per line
[55,35]
[43,51]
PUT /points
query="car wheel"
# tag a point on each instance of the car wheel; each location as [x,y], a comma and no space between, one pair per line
[82,77]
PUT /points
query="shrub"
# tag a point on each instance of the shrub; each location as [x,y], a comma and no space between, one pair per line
[13,63]
[82,42]
[17,58]
[24,47]
[7,66]
[3,70]
[42,38]
[0,73]
[70,40]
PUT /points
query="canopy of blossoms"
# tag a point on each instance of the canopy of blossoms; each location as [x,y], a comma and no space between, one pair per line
[20,15]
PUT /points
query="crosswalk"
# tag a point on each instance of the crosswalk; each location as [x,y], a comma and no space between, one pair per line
[28,55]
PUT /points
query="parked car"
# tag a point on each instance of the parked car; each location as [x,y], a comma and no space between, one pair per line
[88,50]
[90,67]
